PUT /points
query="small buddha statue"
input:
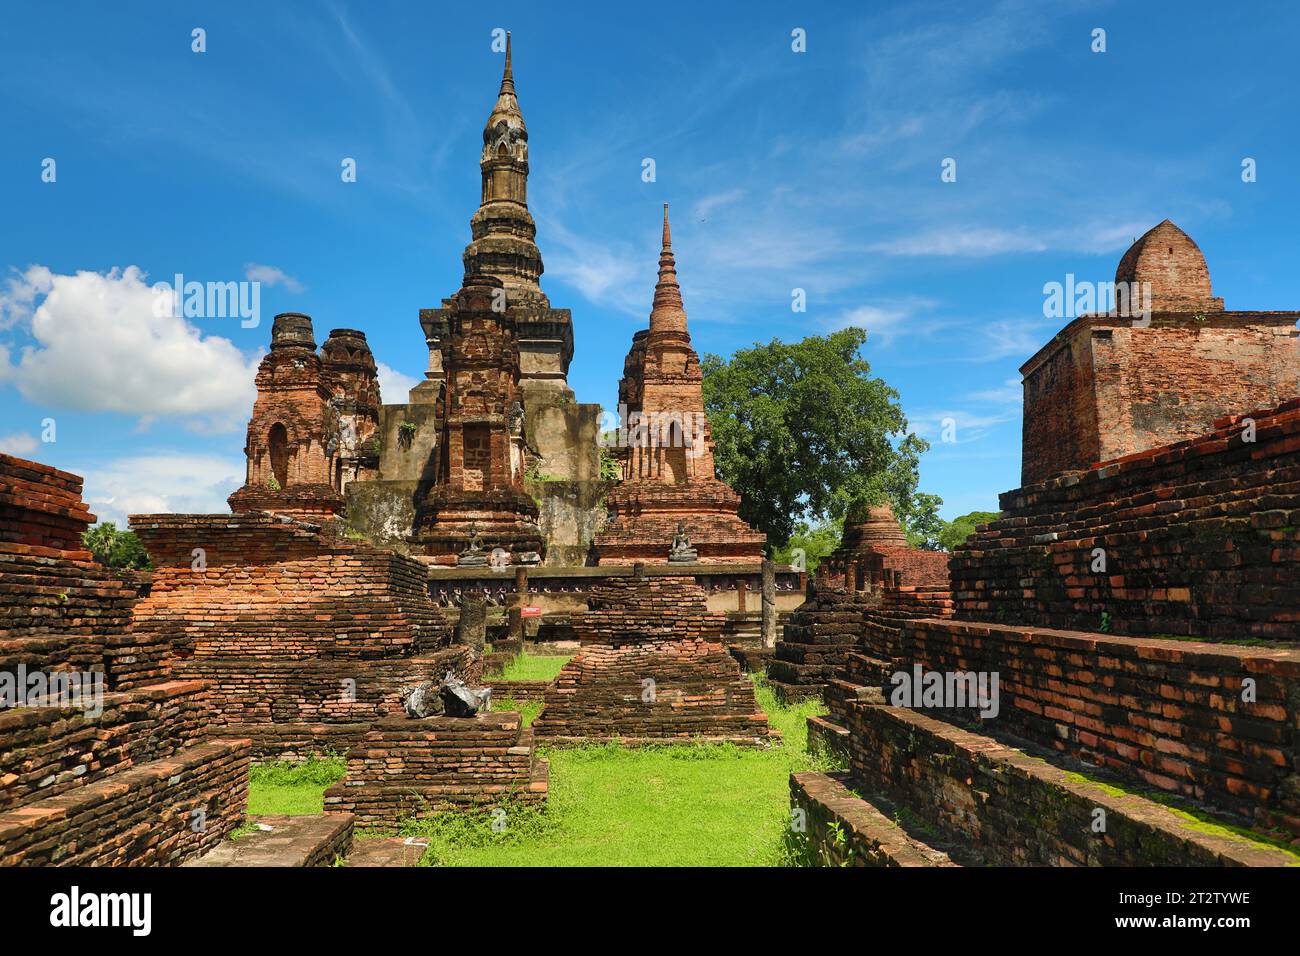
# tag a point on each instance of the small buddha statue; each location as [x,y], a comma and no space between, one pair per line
[681,551]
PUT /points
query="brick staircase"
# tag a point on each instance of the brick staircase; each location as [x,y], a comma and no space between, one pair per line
[924,792]
[116,771]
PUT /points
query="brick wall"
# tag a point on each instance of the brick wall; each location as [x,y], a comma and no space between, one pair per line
[1200,538]
[405,767]
[1015,810]
[1168,714]
[1104,388]
[129,784]
[294,627]
[652,668]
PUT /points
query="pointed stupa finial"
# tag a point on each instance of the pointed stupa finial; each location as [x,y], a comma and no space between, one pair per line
[508,77]
[668,312]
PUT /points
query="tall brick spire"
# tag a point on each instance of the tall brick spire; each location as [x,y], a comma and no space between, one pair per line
[668,314]
[503,245]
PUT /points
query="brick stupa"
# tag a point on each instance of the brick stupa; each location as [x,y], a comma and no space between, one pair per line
[668,472]
[874,550]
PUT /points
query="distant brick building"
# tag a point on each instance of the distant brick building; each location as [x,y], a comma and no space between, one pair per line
[1110,385]
[874,548]
[667,461]
[313,421]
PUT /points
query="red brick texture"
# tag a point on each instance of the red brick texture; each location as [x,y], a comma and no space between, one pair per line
[1168,714]
[1014,809]
[1200,538]
[303,634]
[652,669]
[133,783]
[405,767]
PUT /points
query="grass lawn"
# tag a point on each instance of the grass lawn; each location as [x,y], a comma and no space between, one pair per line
[530,667]
[294,789]
[702,805]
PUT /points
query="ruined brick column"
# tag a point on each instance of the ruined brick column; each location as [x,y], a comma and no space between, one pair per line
[480,468]
[292,446]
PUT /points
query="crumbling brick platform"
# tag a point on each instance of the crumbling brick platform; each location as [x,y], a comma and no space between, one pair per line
[651,670]
[406,767]
[1199,538]
[116,772]
[305,636]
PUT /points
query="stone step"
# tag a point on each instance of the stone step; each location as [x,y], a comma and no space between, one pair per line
[824,733]
[788,693]
[317,840]
[1013,806]
[387,851]
[156,814]
[51,747]
[843,829]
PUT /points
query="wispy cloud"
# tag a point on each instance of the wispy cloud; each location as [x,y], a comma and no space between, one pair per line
[271,276]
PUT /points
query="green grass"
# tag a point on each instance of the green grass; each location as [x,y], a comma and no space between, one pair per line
[293,789]
[528,709]
[703,805]
[530,667]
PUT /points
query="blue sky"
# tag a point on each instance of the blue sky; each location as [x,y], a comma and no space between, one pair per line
[817,170]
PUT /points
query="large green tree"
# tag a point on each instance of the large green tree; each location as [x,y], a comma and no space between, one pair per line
[804,433]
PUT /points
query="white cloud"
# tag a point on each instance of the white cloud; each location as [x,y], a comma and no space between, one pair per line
[100,347]
[20,444]
[973,242]
[605,273]
[702,207]
[271,276]
[160,483]
[394,385]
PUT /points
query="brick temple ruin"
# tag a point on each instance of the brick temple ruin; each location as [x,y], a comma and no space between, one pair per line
[120,767]
[1140,613]
[1136,599]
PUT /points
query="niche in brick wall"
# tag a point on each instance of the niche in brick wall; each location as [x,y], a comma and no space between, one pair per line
[478,457]
[278,443]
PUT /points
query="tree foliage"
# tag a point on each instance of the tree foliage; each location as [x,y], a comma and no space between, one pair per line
[803,433]
[116,549]
[959,529]
[816,541]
